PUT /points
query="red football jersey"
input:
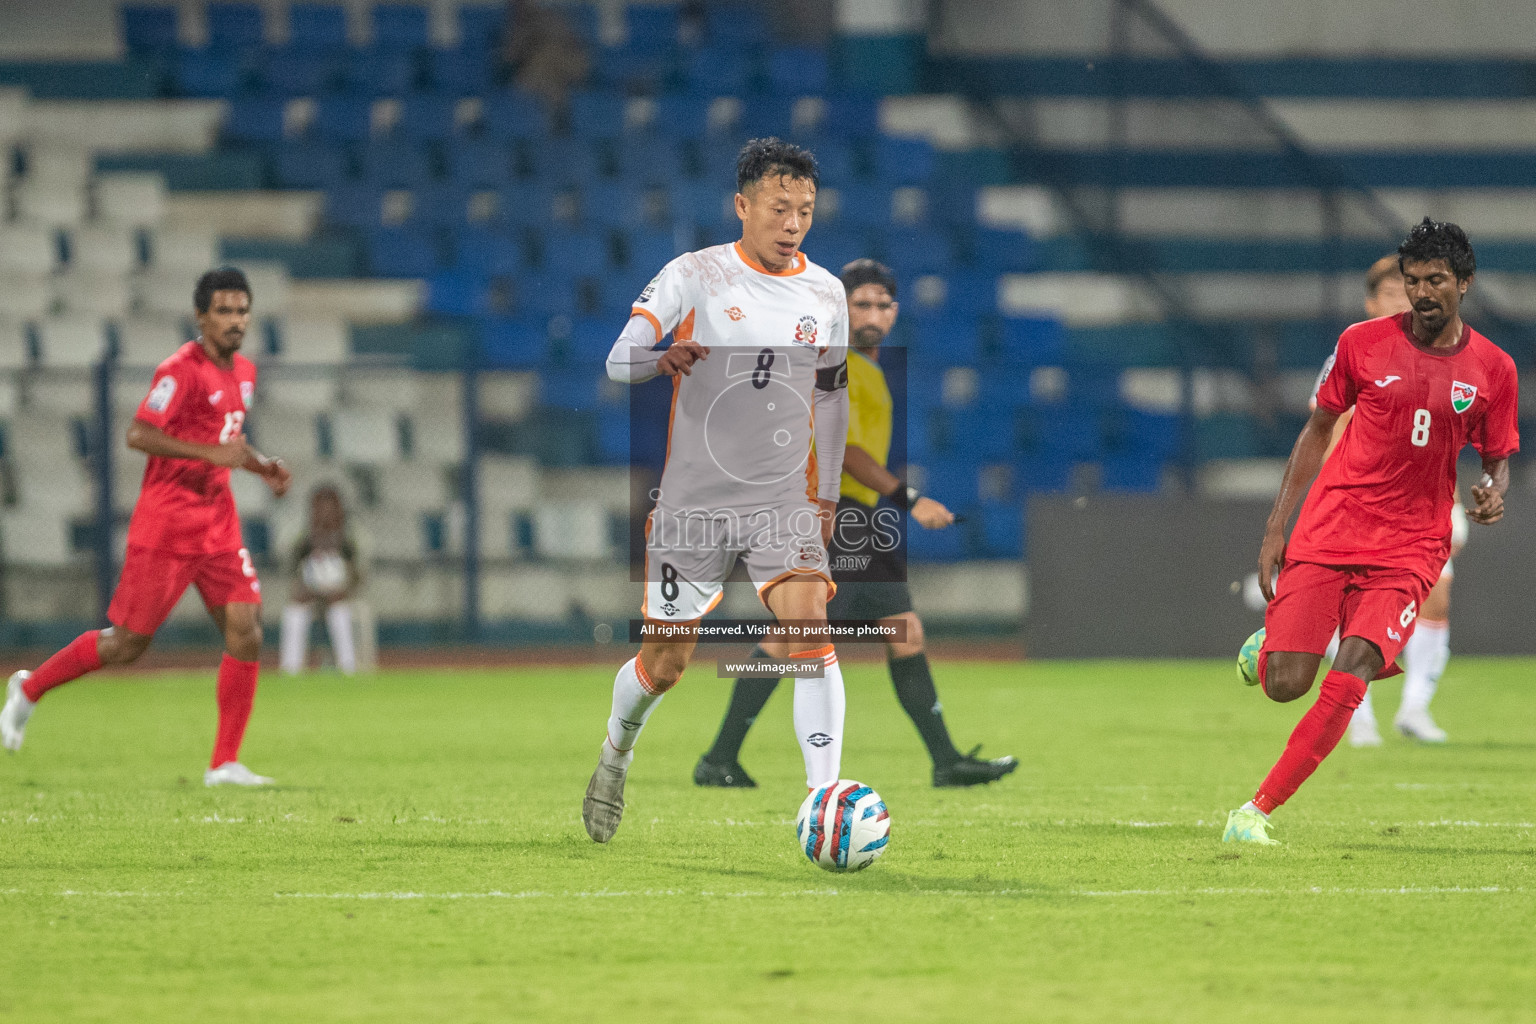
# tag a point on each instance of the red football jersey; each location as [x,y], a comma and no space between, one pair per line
[185,505]
[1384,498]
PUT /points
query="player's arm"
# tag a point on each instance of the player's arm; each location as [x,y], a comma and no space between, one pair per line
[1489,492]
[1300,469]
[235,453]
[829,399]
[862,466]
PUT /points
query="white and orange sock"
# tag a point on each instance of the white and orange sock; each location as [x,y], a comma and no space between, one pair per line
[635,696]
[820,707]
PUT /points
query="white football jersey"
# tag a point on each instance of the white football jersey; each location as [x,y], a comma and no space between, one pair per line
[743,424]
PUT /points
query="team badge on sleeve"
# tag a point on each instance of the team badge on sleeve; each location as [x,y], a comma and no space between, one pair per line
[165,389]
[247,389]
[1462,395]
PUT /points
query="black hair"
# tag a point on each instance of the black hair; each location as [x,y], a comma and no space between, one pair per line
[224,279]
[1439,240]
[762,157]
[867,271]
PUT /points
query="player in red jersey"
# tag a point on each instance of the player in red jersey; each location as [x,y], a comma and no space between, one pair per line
[184,529]
[1375,529]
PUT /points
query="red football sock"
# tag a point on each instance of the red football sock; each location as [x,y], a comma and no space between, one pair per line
[237,692]
[72,662]
[1314,737]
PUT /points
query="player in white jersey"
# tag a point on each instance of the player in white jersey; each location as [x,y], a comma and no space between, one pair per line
[755,443]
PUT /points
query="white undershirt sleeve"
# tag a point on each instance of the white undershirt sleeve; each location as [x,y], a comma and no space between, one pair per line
[633,358]
[831,440]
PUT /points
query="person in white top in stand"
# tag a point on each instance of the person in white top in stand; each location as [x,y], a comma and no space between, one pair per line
[754,462]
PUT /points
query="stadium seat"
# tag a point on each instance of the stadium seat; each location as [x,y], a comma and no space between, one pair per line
[1001,532]
[92,293]
[256,119]
[798,70]
[71,341]
[488,252]
[459,292]
[129,198]
[27,249]
[935,545]
[704,203]
[317,25]
[365,436]
[395,163]
[683,115]
[314,340]
[234,26]
[513,343]
[210,73]
[290,435]
[720,70]
[647,251]
[461,71]
[572,531]
[303,70]
[427,117]
[739,25]
[864,206]
[1004,252]
[383,71]
[510,114]
[24,297]
[15,349]
[41,200]
[437,436]
[148,341]
[481,27]
[903,161]
[1031,341]
[402,252]
[32,540]
[310,163]
[479,163]
[345,117]
[765,115]
[528,205]
[399,26]
[614,204]
[648,160]
[149,28]
[414,486]
[915,251]
[190,252]
[508,483]
[354,205]
[598,114]
[286,388]
[1131,473]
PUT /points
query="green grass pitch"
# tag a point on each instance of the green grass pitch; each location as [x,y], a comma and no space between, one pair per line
[423,858]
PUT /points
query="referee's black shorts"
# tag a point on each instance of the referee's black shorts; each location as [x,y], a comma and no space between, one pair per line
[879,590]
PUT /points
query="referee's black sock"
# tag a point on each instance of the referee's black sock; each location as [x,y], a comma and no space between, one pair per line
[747,700]
[914,688]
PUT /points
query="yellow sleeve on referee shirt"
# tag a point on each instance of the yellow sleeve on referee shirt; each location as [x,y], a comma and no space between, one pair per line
[869,420]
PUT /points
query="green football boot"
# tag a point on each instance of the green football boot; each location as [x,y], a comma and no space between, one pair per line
[1248,659]
[1247,826]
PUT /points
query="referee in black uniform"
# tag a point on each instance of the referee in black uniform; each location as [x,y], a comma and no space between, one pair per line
[880,593]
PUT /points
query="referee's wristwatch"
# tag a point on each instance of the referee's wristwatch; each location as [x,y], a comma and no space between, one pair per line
[905,495]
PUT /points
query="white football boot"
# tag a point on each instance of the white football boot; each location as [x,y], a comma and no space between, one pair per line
[603,807]
[233,773]
[13,717]
[1362,726]
[1417,725]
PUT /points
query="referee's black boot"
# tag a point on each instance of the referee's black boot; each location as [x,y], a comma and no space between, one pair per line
[725,776]
[971,770]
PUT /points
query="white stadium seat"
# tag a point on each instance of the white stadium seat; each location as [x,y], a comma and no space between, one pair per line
[437,438]
[68,392]
[47,201]
[396,533]
[188,253]
[14,354]
[92,293]
[252,495]
[307,340]
[27,249]
[41,438]
[496,534]
[572,530]
[510,483]
[129,387]
[164,294]
[285,435]
[607,486]
[27,539]
[441,393]
[414,485]
[10,395]
[387,388]
[72,341]
[365,436]
[103,249]
[25,296]
[55,492]
[134,199]
[148,340]
[506,395]
[66,165]
[310,389]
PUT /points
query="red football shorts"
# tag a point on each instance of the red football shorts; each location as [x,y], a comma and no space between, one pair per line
[153,581]
[1311,601]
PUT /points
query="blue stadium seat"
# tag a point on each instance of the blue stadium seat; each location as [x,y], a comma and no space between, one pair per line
[903,161]
[1133,473]
[683,115]
[479,163]
[988,434]
[915,251]
[613,204]
[835,162]
[490,252]
[571,253]
[211,73]
[149,28]
[255,119]
[440,205]
[591,339]
[302,70]
[399,26]
[1001,529]
[1032,341]
[1068,432]
[722,71]
[546,295]
[510,114]
[1002,387]
[943,339]
[426,116]
[1043,472]
[742,25]
[705,203]
[528,204]
[395,164]
[458,293]
[345,117]
[597,114]
[852,114]
[1153,433]
[865,206]
[513,343]
[834,248]
[613,436]
[234,26]
[798,70]
[354,205]
[969,293]
[461,71]
[647,251]
[383,71]
[631,71]
[935,545]
[308,163]
[402,252]
[762,116]
[1004,252]
[564,161]
[481,26]
[651,28]
[317,25]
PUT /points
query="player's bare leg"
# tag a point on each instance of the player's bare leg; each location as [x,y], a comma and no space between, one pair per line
[1424,658]
[86,653]
[637,689]
[241,625]
[1286,676]
[820,705]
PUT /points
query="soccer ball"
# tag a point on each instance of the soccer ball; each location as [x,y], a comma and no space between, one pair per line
[843,826]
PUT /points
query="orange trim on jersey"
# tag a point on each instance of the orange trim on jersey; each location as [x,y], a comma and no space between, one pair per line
[637,311]
[798,267]
[684,330]
[812,477]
